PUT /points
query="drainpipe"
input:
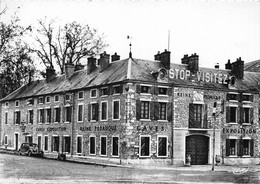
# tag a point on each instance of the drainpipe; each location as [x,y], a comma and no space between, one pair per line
[72,121]
[172,119]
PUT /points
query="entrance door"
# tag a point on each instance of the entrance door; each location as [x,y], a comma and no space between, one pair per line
[16,141]
[39,142]
[197,146]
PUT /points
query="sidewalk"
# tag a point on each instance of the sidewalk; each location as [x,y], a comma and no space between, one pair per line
[110,162]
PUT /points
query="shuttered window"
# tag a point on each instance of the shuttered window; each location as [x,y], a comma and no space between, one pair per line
[57,114]
[48,115]
[145,108]
[93,112]
[103,110]
[41,115]
[68,113]
[233,114]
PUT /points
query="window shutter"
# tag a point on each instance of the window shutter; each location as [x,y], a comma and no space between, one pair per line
[89,112]
[240,97]
[156,110]
[14,118]
[239,147]
[251,147]
[228,114]
[169,91]
[205,116]
[156,90]
[121,88]
[97,111]
[227,147]
[110,90]
[251,115]
[240,117]
[138,88]
[152,110]
[191,115]
[169,111]
[138,109]
[151,90]
[228,96]
[251,98]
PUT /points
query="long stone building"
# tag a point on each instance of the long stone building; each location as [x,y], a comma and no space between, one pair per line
[139,111]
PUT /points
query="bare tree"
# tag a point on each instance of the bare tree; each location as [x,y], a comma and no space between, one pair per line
[67,44]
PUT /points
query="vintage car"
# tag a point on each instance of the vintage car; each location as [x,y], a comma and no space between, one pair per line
[30,149]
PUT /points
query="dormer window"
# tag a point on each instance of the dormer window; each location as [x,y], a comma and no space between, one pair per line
[48,99]
[80,95]
[116,89]
[17,103]
[30,101]
[232,96]
[93,93]
[56,98]
[162,91]
[40,100]
[104,91]
[247,97]
[67,97]
[6,104]
[145,89]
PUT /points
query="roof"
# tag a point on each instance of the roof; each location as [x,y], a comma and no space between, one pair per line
[127,69]
[253,66]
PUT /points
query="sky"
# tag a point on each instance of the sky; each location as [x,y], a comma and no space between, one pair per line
[215,30]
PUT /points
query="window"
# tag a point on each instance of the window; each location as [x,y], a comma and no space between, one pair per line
[41,115]
[115,147]
[67,97]
[145,89]
[55,143]
[6,118]
[233,114]
[103,110]
[66,144]
[30,114]
[116,110]
[80,112]
[162,110]
[145,146]
[103,145]
[80,95]
[68,111]
[17,117]
[30,101]
[17,103]
[48,99]
[48,115]
[104,91]
[145,108]
[57,114]
[79,144]
[94,111]
[40,100]
[198,116]
[245,146]
[5,140]
[246,97]
[93,93]
[231,147]
[56,98]
[163,91]
[46,143]
[6,104]
[162,146]
[117,89]
[198,112]
[92,145]
[28,138]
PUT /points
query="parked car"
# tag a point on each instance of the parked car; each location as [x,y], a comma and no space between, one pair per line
[30,149]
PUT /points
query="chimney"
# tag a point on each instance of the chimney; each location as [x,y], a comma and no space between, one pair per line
[50,74]
[104,60]
[166,59]
[185,59]
[157,57]
[115,57]
[238,68]
[217,65]
[91,66]
[193,63]
[228,65]
[69,70]
[79,67]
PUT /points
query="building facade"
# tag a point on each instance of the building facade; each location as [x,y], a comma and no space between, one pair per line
[139,111]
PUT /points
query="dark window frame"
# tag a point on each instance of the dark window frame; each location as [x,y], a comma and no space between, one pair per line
[145,110]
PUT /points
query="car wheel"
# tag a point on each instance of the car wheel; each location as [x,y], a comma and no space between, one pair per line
[29,153]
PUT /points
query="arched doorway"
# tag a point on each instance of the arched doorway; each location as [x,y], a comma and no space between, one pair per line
[197,146]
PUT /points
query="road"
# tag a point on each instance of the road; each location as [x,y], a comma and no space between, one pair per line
[23,169]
